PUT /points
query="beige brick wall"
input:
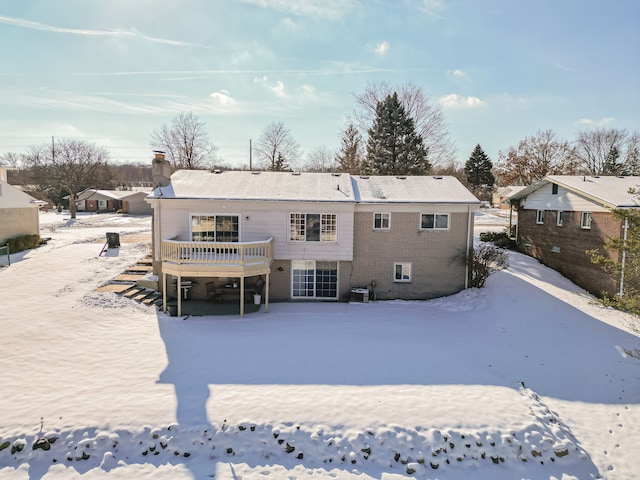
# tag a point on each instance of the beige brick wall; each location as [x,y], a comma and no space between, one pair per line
[437,257]
[15,222]
[572,242]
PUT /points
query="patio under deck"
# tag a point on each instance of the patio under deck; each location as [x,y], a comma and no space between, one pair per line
[216,259]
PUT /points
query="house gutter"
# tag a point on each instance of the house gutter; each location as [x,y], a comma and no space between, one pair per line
[469,238]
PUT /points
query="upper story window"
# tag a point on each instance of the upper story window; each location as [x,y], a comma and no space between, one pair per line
[540,217]
[559,218]
[585,221]
[313,227]
[215,228]
[381,221]
[554,188]
[434,221]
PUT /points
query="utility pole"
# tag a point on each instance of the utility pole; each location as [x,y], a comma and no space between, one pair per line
[250,155]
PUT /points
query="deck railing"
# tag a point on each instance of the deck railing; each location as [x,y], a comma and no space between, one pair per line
[210,253]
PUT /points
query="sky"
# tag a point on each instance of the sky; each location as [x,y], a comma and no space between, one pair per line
[111,72]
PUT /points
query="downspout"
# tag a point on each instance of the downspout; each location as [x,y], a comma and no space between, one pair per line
[624,254]
[469,239]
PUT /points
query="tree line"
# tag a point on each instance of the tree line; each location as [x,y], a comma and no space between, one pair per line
[392,130]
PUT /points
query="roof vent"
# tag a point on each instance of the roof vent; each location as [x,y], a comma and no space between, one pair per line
[437,177]
[364,177]
[336,174]
[217,172]
[401,177]
[255,173]
[295,173]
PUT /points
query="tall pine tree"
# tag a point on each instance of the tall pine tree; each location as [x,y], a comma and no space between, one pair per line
[349,158]
[480,179]
[394,147]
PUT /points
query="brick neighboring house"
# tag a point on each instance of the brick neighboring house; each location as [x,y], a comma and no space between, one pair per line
[562,216]
[18,211]
[311,236]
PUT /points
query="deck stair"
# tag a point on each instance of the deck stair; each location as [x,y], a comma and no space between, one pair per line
[126,284]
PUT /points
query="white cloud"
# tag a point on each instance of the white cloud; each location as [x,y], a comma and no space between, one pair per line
[18,22]
[599,123]
[222,98]
[329,9]
[454,100]
[278,88]
[290,24]
[382,48]
[459,74]
[432,7]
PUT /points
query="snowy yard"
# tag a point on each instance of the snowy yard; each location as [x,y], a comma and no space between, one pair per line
[526,378]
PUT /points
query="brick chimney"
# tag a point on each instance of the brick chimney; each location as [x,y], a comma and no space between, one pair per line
[160,167]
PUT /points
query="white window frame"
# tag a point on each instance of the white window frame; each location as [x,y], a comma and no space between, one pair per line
[560,218]
[539,217]
[298,227]
[436,216]
[214,215]
[586,219]
[381,216]
[102,204]
[405,272]
[297,265]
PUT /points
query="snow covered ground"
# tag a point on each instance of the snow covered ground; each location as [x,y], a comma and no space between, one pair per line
[526,378]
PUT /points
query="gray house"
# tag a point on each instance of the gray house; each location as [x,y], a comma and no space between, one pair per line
[310,236]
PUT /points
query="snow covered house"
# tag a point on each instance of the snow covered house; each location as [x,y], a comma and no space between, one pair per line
[129,201]
[310,236]
[562,216]
[18,211]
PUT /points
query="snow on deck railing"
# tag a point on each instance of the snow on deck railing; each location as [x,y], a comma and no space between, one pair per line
[234,253]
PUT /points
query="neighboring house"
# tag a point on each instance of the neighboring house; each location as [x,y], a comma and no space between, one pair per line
[562,216]
[311,236]
[502,196]
[129,201]
[18,211]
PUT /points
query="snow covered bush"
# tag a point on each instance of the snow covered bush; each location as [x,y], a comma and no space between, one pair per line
[484,260]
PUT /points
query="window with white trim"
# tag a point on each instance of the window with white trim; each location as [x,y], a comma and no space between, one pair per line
[313,227]
[402,272]
[215,228]
[102,204]
[585,221]
[314,279]
[434,221]
[381,221]
[559,218]
[540,217]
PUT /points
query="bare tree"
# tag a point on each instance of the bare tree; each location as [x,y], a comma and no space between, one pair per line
[592,147]
[541,154]
[320,159]
[350,156]
[428,117]
[71,165]
[186,143]
[276,146]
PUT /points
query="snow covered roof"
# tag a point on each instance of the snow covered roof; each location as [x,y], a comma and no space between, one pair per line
[314,187]
[411,189]
[610,191]
[12,197]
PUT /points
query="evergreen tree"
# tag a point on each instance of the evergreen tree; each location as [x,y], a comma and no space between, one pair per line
[394,147]
[611,165]
[349,158]
[280,164]
[480,179]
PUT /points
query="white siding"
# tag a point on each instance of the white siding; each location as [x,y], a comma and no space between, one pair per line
[544,199]
[261,220]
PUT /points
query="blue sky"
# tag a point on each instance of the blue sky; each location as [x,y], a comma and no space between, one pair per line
[111,71]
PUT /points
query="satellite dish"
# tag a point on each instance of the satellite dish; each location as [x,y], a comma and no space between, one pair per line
[160,180]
